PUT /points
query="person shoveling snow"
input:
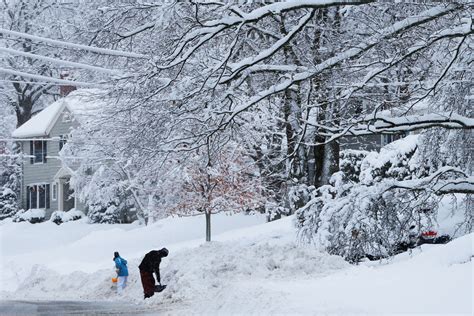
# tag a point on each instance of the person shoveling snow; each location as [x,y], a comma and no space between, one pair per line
[122,272]
[149,265]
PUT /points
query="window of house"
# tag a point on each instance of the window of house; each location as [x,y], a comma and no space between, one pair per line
[67,117]
[38,149]
[387,139]
[54,192]
[62,141]
[37,196]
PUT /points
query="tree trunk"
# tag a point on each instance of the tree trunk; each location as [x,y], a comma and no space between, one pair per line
[208,226]
[23,110]
[330,162]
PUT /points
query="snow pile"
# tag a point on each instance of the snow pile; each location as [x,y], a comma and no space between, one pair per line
[34,215]
[60,217]
[88,248]
[218,265]
[258,269]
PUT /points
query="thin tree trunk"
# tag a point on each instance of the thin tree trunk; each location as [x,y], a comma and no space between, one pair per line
[330,162]
[208,226]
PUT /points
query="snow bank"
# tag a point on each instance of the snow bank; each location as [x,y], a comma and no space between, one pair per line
[60,217]
[252,270]
[216,266]
[78,246]
[33,215]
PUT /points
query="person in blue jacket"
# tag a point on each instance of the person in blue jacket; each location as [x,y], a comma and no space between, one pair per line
[122,272]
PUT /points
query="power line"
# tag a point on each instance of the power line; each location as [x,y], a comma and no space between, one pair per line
[98,50]
[57,61]
[47,79]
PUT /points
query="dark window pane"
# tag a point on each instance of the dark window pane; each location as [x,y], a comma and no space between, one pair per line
[42,196]
[45,150]
[38,151]
[34,196]
[62,141]
[32,160]
[48,201]
[28,198]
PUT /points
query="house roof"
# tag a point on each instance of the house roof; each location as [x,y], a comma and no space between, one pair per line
[82,103]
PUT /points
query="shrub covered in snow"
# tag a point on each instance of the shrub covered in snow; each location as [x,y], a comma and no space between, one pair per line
[60,217]
[8,203]
[105,194]
[33,216]
[10,180]
[397,160]
[104,214]
[358,214]
[298,196]
[350,163]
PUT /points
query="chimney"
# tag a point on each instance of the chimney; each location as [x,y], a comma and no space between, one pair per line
[64,90]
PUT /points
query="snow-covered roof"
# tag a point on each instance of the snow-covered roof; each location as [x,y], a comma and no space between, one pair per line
[82,103]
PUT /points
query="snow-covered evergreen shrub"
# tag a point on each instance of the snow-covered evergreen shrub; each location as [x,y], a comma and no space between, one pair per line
[298,195]
[103,214]
[396,160]
[10,179]
[105,194]
[275,211]
[8,203]
[33,216]
[60,217]
[350,163]
[357,216]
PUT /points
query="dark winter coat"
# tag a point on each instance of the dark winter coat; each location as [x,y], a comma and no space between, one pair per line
[151,262]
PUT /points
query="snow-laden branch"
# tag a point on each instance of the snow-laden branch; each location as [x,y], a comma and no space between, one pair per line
[437,184]
[211,29]
[279,7]
[396,28]
[98,50]
[138,30]
[267,53]
[57,61]
[458,31]
[382,124]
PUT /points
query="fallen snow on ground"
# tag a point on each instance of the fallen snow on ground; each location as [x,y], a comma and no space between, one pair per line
[250,268]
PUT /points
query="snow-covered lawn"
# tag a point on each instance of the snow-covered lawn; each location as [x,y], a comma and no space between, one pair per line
[251,267]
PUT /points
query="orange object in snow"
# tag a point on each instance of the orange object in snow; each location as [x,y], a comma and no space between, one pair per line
[114,280]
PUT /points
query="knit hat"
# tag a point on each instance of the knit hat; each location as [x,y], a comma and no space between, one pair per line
[164,251]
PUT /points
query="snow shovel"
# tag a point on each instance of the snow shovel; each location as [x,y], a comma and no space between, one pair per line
[159,288]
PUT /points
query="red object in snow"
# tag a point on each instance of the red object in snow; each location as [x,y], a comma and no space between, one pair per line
[429,234]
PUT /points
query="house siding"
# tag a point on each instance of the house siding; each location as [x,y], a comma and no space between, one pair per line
[366,142]
[45,172]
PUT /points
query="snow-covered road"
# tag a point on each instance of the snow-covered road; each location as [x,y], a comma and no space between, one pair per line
[83,308]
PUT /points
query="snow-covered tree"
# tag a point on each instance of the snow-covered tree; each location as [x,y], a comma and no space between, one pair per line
[373,209]
[10,166]
[213,180]
[322,79]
